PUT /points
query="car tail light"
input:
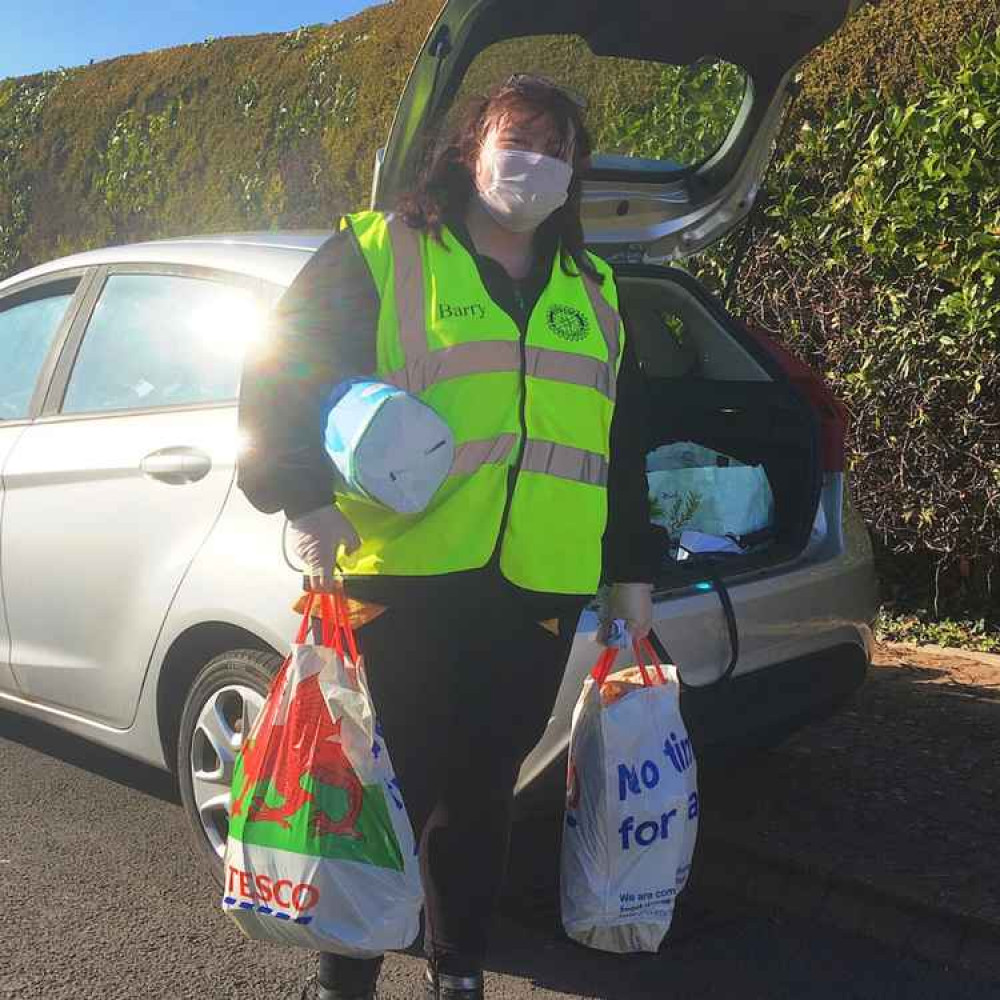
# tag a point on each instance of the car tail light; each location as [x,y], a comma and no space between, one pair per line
[833,415]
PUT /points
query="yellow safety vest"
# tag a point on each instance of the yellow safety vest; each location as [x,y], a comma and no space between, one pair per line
[540,404]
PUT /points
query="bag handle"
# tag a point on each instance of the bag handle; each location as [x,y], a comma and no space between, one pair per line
[643,649]
[604,664]
[328,619]
[331,625]
[645,657]
[347,629]
[337,631]
[300,636]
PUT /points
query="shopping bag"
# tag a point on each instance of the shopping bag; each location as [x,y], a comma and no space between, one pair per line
[631,806]
[697,489]
[320,852]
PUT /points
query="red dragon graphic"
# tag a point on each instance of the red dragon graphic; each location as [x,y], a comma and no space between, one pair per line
[306,744]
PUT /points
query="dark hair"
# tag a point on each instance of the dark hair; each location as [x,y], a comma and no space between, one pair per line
[446,183]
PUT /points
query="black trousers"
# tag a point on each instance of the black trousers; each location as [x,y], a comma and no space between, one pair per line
[463,691]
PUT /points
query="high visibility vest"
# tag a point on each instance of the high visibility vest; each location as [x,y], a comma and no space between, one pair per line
[531,415]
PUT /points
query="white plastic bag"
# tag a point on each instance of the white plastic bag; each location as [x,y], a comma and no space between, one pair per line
[631,807]
[693,543]
[320,852]
[694,488]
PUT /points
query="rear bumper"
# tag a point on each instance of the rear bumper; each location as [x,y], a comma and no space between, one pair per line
[762,707]
[748,711]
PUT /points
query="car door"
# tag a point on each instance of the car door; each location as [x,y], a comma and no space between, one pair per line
[111,491]
[34,318]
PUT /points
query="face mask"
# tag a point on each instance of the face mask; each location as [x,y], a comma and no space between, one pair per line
[524,188]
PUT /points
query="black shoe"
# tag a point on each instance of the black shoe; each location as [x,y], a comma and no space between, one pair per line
[313,990]
[439,986]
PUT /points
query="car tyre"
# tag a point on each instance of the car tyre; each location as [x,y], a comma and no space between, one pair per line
[219,709]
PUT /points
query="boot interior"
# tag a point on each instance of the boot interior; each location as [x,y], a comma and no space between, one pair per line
[706,387]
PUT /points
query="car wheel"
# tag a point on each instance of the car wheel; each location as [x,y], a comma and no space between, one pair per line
[219,710]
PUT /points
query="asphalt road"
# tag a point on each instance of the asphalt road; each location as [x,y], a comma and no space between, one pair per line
[101,898]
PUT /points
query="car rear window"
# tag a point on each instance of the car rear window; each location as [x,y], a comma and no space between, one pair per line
[642,115]
[28,325]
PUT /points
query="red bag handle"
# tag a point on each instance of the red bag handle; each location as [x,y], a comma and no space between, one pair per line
[306,619]
[604,664]
[332,636]
[644,648]
[328,618]
[645,657]
[338,633]
[340,599]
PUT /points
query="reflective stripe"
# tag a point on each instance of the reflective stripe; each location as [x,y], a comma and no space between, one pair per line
[482,357]
[472,455]
[539,456]
[607,318]
[565,462]
[474,357]
[425,368]
[577,369]
[408,280]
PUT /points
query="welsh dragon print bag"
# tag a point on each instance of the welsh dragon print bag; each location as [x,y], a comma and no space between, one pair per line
[320,852]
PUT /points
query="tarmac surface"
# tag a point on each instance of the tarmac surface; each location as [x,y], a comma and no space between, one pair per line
[102,896]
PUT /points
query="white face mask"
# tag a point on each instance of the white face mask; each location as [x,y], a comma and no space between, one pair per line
[523,189]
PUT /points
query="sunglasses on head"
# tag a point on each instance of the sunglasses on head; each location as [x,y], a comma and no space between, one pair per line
[522,81]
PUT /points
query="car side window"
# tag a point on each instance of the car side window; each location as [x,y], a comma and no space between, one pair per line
[28,326]
[163,340]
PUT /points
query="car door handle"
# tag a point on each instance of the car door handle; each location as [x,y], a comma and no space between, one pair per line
[176,466]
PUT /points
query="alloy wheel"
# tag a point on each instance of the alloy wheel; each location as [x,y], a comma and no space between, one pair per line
[224,719]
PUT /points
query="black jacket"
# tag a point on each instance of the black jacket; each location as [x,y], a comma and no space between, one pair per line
[323,331]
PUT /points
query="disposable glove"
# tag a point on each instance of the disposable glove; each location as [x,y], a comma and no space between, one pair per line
[316,538]
[632,602]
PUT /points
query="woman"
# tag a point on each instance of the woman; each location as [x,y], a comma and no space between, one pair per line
[478,296]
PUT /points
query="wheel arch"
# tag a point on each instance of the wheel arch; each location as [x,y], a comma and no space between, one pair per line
[188,653]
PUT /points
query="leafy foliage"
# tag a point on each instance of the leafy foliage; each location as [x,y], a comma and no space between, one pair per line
[877,260]
[924,630]
[684,119]
[21,106]
[134,163]
[634,108]
[883,48]
[252,132]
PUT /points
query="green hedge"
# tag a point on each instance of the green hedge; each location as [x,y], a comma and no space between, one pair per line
[240,133]
[885,45]
[875,253]
[877,259]
[281,130]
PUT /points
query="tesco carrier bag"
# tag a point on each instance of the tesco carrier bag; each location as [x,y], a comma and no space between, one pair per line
[320,852]
[631,806]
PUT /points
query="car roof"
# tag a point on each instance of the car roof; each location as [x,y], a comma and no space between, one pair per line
[275,256]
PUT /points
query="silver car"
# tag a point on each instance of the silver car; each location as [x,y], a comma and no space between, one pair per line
[146,604]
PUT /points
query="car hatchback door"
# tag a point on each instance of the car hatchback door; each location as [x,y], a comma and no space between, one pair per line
[683,100]
[112,490]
